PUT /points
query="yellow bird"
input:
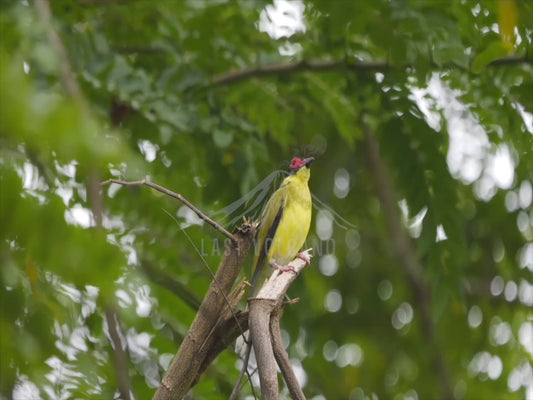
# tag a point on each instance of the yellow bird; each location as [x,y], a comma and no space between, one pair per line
[285,223]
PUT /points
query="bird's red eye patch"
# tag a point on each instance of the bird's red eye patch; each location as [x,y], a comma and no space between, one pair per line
[296,163]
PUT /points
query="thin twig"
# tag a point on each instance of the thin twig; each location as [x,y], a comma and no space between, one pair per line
[201,215]
[244,370]
[120,356]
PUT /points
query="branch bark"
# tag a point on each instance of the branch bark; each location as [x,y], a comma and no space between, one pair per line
[282,357]
[224,336]
[266,335]
[260,310]
[196,346]
[403,247]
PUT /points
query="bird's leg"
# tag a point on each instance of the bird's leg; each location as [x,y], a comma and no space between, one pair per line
[282,268]
[305,257]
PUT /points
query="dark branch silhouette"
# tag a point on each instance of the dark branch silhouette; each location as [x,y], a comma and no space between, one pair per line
[121,360]
[284,68]
[178,196]
[333,65]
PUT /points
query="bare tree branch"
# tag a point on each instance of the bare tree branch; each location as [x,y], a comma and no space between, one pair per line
[284,68]
[260,310]
[178,196]
[282,357]
[224,336]
[196,346]
[120,356]
[227,328]
[330,65]
[403,247]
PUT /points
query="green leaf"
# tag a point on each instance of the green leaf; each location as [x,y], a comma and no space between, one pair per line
[222,139]
[496,49]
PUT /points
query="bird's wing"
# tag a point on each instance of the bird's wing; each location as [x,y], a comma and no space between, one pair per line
[269,224]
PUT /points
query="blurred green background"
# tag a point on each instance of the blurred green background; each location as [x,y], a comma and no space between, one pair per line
[419,115]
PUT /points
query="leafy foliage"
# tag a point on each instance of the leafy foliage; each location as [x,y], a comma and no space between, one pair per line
[196,96]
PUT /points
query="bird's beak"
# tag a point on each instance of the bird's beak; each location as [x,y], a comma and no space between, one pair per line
[309,161]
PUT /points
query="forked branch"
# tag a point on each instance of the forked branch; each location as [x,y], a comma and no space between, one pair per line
[265,333]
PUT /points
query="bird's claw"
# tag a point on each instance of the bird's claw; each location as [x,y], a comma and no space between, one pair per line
[305,257]
[288,268]
[283,268]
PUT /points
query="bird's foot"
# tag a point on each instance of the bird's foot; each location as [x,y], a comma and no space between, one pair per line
[283,268]
[305,257]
